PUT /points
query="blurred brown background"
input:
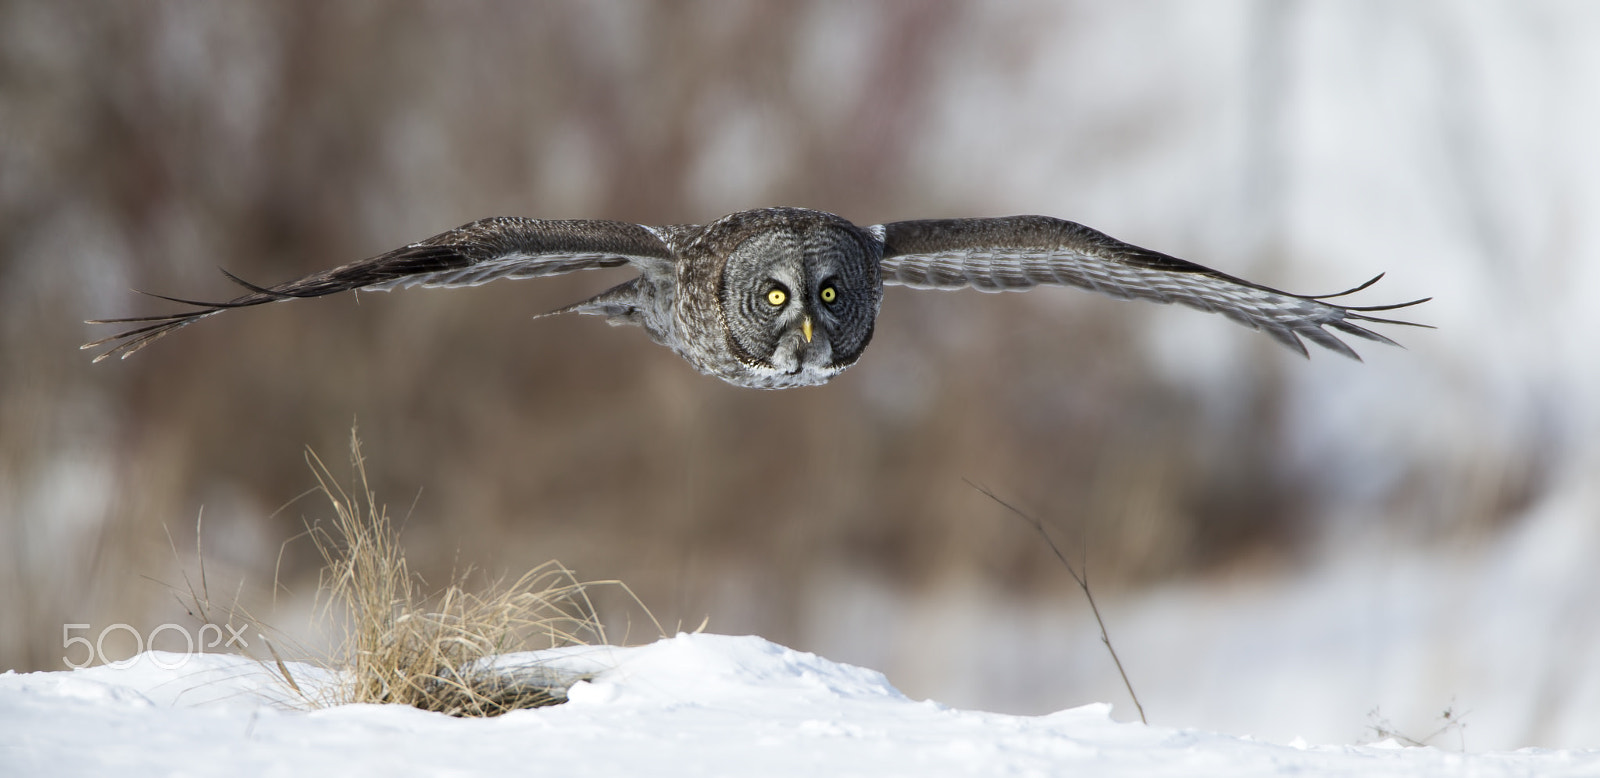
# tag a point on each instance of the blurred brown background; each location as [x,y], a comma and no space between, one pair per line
[146,144]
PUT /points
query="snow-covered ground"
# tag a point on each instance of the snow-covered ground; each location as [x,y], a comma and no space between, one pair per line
[691,705]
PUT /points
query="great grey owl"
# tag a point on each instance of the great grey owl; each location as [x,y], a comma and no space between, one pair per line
[781,297]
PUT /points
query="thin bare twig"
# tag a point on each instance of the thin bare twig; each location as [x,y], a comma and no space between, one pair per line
[1082,581]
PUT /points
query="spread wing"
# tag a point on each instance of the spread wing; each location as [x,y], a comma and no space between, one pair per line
[476,253]
[1021,252]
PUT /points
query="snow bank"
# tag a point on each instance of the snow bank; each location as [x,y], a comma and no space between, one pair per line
[693,704]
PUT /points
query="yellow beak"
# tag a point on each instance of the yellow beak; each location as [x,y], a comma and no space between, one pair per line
[805,328]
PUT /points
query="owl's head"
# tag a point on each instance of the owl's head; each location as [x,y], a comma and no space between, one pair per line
[800,295]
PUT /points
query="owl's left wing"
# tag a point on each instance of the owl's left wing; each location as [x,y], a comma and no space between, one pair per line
[472,254]
[1020,252]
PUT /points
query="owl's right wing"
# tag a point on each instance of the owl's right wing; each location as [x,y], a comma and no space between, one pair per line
[1020,252]
[472,254]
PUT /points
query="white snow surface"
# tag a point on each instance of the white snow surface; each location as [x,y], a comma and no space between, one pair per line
[699,704]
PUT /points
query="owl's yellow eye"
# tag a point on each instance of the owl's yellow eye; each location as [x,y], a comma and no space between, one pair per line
[777,297]
[828,294]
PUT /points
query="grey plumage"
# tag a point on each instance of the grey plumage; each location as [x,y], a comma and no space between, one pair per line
[780,297]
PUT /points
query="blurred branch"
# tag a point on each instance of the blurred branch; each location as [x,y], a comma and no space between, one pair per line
[1083,583]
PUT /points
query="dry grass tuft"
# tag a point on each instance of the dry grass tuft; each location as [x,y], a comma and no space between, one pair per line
[434,652]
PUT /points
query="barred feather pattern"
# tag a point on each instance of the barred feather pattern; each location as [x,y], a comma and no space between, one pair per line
[475,253]
[1034,250]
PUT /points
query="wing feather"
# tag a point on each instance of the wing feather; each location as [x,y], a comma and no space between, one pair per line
[472,254]
[1020,252]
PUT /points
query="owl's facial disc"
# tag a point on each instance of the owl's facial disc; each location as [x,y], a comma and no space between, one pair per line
[800,302]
